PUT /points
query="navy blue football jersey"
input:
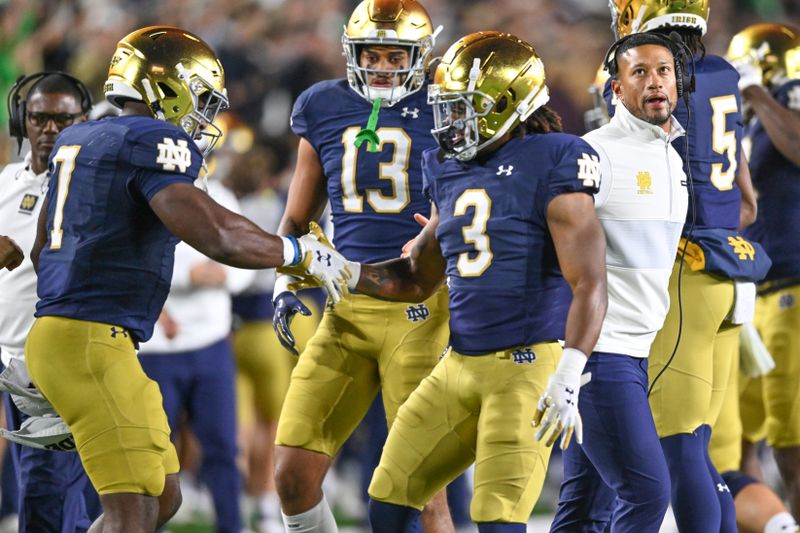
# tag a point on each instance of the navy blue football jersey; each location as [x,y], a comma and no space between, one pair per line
[373,195]
[777,181]
[714,137]
[506,288]
[108,257]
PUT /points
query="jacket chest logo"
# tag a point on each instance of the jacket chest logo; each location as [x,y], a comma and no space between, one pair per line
[644,182]
[28,203]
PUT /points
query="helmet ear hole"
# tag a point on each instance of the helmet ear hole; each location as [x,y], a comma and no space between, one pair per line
[502,104]
[166,90]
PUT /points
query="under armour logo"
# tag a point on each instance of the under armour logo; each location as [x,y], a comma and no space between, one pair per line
[786,301]
[504,170]
[321,258]
[413,112]
[417,312]
[115,331]
[722,487]
[524,356]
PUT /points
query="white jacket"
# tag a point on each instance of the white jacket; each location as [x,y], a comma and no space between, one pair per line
[21,196]
[642,206]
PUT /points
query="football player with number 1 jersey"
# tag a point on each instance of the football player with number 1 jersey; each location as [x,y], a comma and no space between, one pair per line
[121,190]
[512,211]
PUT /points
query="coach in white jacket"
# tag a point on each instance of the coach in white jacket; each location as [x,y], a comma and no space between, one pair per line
[641,205]
[51,484]
[191,359]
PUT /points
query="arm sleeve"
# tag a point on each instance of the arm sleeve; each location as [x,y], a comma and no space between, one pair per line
[299,121]
[606,175]
[162,157]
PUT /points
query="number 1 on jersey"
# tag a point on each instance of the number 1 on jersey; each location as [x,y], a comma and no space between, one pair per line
[65,160]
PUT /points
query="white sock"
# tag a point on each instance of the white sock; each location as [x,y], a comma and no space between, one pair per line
[781,523]
[318,519]
[269,505]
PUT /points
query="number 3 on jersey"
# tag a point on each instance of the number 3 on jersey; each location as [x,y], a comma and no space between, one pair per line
[396,171]
[475,233]
[65,161]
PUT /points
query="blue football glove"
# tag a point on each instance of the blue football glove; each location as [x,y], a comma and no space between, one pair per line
[287,305]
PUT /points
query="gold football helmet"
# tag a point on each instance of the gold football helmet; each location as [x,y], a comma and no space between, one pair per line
[402,23]
[774,47]
[638,16]
[176,74]
[486,84]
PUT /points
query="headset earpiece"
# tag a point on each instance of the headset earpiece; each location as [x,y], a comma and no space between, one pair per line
[17,106]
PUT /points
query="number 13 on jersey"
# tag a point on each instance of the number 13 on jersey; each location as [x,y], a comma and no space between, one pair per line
[395,171]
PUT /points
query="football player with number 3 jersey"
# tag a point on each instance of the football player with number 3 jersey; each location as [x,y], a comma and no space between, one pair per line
[512,211]
[121,192]
[767,57]
[372,178]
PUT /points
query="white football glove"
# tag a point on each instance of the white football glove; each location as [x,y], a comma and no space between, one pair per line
[750,72]
[754,358]
[557,409]
[321,261]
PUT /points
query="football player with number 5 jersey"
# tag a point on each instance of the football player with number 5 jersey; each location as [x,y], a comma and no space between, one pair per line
[372,178]
[512,211]
[122,192]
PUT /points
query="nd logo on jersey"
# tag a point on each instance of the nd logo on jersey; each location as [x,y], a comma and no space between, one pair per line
[742,248]
[171,155]
[589,170]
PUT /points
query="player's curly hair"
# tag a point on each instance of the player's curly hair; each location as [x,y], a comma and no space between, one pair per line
[543,120]
[692,38]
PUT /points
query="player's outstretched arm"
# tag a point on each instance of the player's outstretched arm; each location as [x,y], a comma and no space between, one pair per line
[580,244]
[408,279]
[222,235]
[234,240]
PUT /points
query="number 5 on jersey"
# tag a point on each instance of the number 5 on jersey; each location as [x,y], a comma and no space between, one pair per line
[64,160]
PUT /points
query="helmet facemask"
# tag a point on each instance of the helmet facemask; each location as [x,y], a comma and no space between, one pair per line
[207,102]
[404,81]
[455,121]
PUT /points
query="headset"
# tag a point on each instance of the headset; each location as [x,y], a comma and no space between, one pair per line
[17,105]
[684,75]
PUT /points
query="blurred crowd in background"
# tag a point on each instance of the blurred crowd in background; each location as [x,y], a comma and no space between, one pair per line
[273,49]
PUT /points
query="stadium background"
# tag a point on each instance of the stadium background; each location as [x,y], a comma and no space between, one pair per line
[273,49]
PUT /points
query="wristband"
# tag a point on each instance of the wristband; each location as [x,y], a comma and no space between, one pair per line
[572,362]
[291,251]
